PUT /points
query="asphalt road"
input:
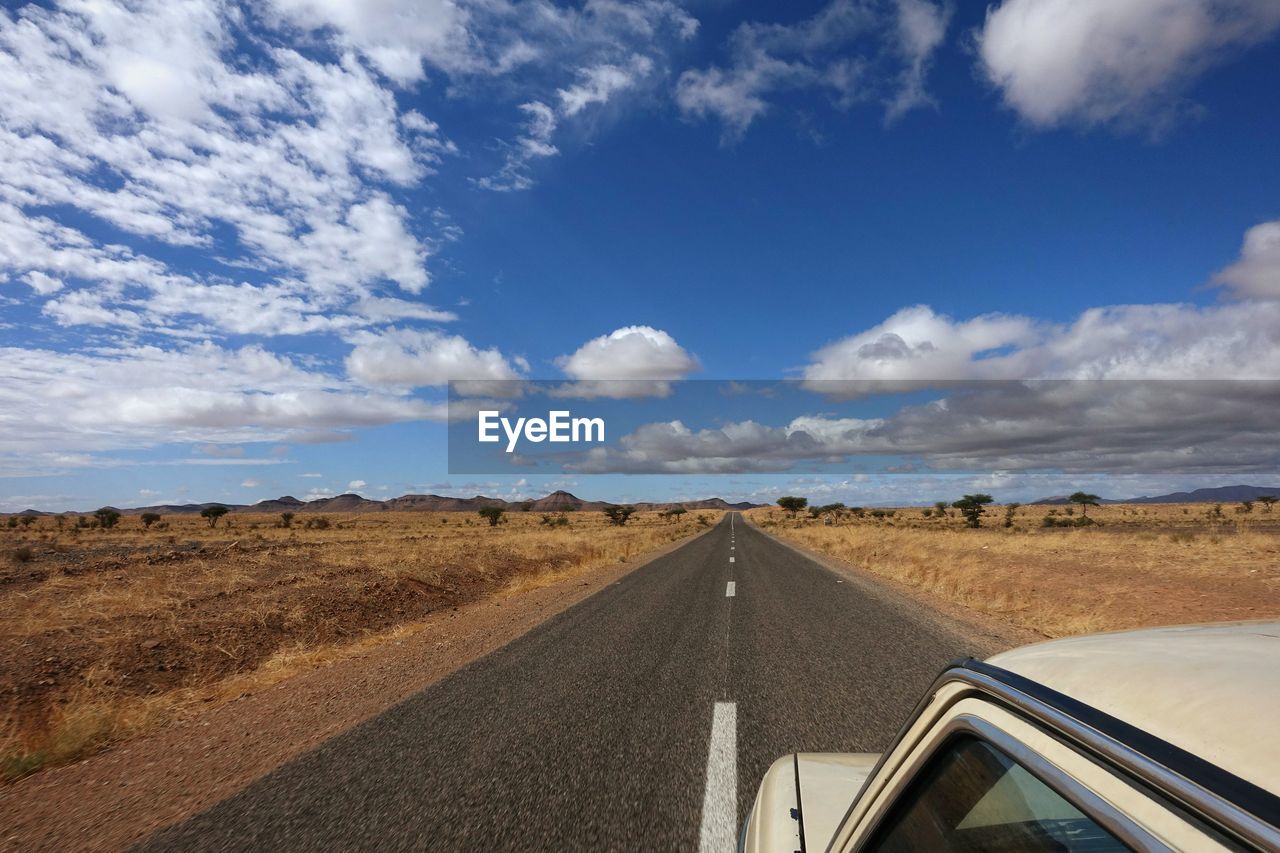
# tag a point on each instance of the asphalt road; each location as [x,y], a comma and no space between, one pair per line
[595,730]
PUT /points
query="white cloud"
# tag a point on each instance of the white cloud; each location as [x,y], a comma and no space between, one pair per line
[598,83]
[1093,62]
[250,483]
[632,352]
[132,396]
[356,485]
[850,49]
[1230,341]
[413,357]
[922,26]
[145,116]
[1256,274]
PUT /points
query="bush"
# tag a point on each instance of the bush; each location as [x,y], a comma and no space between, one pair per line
[107,517]
[320,522]
[213,512]
[286,519]
[619,514]
[555,520]
[492,514]
[150,518]
[23,554]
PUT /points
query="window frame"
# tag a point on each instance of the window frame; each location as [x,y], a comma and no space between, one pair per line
[941,738]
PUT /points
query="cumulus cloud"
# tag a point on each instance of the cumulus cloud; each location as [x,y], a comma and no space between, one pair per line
[1094,62]
[415,357]
[1256,274]
[632,352]
[851,49]
[1230,341]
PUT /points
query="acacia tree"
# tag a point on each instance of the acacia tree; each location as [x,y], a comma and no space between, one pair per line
[792,504]
[107,517]
[149,518]
[492,513]
[1085,500]
[1266,501]
[619,514]
[674,512]
[971,507]
[941,507]
[213,512]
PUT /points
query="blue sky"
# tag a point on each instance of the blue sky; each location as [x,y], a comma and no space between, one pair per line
[243,247]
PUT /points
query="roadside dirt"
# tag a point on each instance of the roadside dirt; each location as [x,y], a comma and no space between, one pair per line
[114,798]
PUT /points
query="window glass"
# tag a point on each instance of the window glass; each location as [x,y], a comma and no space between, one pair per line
[973,797]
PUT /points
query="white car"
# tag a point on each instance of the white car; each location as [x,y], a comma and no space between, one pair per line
[1165,739]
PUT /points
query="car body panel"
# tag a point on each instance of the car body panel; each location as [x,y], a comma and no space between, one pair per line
[828,782]
[1211,690]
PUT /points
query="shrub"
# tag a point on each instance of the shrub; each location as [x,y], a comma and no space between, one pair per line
[23,554]
[107,517]
[27,520]
[555,520]
[492,514]
[286,519]
[12,522]
[150,518]
[213,512]
[619,514]
[320,522]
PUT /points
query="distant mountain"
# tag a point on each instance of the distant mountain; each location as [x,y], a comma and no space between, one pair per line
[558,501]
[1216,494]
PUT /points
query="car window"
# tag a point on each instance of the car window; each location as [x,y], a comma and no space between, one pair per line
[973,797]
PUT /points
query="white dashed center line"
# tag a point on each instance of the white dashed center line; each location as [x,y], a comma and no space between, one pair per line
[731,559]
[720,801]
[731,590]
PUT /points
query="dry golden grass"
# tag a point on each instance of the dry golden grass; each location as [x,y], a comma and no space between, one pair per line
[1139,566]
[105,634]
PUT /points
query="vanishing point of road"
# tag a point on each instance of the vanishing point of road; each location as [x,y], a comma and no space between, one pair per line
[641,718]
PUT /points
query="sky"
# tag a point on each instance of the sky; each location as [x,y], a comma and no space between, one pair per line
[244,247]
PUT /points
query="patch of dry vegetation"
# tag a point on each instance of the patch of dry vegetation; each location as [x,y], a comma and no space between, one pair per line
[105,634]
[1136,566]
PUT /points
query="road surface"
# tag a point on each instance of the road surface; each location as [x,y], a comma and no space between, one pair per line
[642,718]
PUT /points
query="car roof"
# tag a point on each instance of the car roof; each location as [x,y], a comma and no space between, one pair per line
[1212,690]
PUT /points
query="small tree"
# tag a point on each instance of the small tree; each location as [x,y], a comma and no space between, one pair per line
[213,512]
[493,514]
[1266,501]
[60,520]
[1009,511]
[107,517]
[792,504]
[286,519]
[1245,507]
[1085,500]
[674,512]
[971,507]
[27,521]
[941,507]
[149,518]
[619,514]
